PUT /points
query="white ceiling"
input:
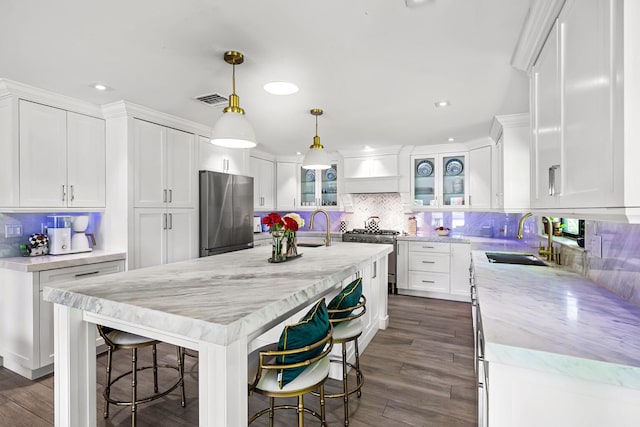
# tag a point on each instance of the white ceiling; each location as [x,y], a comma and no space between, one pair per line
[375,66]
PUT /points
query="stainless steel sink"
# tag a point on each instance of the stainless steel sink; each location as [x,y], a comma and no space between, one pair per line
[514,258]
[309,244]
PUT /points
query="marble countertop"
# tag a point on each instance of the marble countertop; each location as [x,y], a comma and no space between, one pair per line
[50,262]
[218,298]
[435,238]
[556,321]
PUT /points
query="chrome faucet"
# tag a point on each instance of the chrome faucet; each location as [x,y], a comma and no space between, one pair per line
[549,250]
[327,238]
[521,224]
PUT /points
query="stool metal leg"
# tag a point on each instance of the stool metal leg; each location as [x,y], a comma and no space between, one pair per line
[108,384]
[300,411]
[134,379]
[322,408]
[181,372]
[271,403]
[345,385]
[358,372]
[155,368]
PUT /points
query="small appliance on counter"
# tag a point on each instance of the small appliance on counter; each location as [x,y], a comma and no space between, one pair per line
[257,224]
[80,240]
[59,233]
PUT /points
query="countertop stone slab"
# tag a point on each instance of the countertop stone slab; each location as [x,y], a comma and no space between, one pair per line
[443,239]
[218,298]
[50,262]
[553,320]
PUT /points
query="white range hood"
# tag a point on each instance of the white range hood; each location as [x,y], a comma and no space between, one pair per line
[378,184]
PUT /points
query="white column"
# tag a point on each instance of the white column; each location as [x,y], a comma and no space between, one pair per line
[223,384]
[75,368]
[383,269]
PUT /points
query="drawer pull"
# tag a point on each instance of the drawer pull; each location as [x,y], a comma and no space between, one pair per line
[428,281]
[428,247]
[428,262]
[87,274]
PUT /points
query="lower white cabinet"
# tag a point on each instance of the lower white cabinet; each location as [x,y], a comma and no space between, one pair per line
[26,320]
[163,236]
[433,269]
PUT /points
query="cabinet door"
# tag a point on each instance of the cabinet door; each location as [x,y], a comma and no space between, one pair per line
[150,182]
[587,81]
[267,187]
[328,186]
[498,174]
[180,169]
[86,161]
[546,124]
[10,159]
[149,237]
[480,168]
[43,156]
[210,156]
[308,193]
[454,173]
[460,264]
[402,267]
[287,185]
[424,181]
[181,235]
[255,164]
[236,161]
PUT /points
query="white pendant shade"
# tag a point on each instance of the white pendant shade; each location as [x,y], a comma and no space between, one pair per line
[233,130]
[316,158]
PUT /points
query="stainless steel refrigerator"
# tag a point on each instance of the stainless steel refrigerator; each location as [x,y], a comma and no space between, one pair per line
[226,213]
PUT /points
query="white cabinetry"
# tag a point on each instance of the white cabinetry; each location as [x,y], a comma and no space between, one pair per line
[62,158]
[287,188]
[26,320]
[263,173]
[163,236]
[511,162]
[433,269]
[584,92]
[371,174]
[220,159]
[440,180]
[480,169]
[165,218]
[164,162]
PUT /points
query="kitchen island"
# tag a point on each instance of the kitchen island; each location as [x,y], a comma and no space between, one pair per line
[216,305]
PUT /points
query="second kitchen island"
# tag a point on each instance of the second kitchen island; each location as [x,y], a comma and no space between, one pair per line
[217,305]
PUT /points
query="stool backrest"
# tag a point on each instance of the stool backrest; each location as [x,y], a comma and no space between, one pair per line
[355,311]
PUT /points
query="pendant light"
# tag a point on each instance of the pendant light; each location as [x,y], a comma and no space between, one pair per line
[316,157]
[233,130]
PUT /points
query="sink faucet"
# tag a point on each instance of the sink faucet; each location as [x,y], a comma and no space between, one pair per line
[549,250]
[521,224]
[327,238]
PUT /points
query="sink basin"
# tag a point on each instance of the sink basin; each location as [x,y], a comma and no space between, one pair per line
[514,258]
[309,244]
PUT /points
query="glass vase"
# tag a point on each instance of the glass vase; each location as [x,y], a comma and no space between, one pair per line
[292,246]
[277,246]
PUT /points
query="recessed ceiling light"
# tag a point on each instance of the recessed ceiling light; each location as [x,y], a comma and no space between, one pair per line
[99,86]
[298,153]
[367,148]
[442,104]
[281,88]
[451,139]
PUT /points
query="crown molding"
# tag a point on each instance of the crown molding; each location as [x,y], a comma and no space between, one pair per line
[537,25]
[382,151]
[10,88]
[129,109]
[507,121]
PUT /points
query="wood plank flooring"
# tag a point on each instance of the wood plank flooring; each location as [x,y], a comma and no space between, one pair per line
[418,372]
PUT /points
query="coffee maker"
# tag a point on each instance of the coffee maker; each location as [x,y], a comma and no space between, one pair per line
[79,240]
[59,232]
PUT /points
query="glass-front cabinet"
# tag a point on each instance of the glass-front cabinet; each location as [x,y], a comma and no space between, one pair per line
[319,188]
[439,180]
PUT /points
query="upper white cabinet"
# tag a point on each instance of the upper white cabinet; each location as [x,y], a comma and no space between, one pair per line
[585,88]
[511,163]
[164,161]
[62,158]
[220,159]
[440,180]
[480,169]
[287,188]
[263,173]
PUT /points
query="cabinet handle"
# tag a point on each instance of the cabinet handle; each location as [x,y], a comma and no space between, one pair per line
[428,281]
[552,179]
[170,222]
[427,247]
[170,196]
[375,270]
[428,262]
[73,194]
[164,221]
[164,196]
[64,192]
[469,200]
[86,274]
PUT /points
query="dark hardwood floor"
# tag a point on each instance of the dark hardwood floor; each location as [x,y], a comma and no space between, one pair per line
[418,372]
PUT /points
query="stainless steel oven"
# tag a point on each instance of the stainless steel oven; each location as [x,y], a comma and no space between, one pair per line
[361,235]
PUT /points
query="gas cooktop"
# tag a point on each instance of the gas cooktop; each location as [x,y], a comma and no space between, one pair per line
[373,233]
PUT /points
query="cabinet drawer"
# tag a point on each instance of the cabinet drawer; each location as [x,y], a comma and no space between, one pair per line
[80,272]
[426,281]
[429,247]
[434,262]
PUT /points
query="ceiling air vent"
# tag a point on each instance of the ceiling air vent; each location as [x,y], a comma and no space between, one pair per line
[213,99]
